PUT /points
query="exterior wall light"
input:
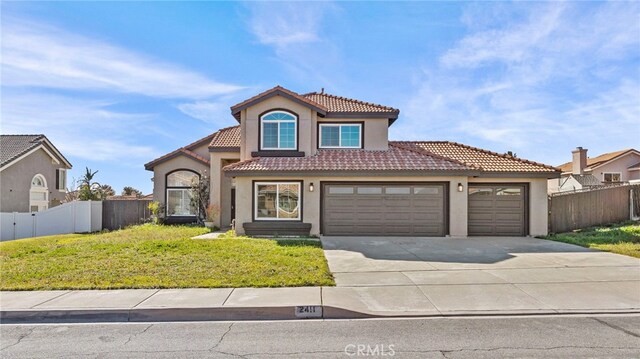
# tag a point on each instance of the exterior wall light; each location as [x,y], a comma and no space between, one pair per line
[311,187]
[460,188]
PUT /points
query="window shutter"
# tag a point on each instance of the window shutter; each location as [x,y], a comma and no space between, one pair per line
[57,179]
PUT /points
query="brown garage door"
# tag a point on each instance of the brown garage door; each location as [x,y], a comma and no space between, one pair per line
[497,210]
[384,209]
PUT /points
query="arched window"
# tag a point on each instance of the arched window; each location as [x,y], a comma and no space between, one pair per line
[279,131]
[179,193]
[38,194]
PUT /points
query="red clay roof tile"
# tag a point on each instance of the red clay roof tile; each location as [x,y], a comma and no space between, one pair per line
[485,160]
[396,158]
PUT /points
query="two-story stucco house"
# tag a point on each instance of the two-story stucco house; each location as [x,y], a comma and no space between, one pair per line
[323,164]
[585,172]
[33,173]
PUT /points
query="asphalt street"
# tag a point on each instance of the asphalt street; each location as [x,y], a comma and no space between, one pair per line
[472,337]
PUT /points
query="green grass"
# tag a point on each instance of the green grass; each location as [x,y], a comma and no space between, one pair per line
[152,256]
[622,238]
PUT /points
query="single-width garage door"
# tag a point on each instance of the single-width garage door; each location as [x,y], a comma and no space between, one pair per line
[396,209]
[497,210]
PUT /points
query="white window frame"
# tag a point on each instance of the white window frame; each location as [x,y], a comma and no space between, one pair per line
[612,173]
[182,191]
[339,125]
[39,203]
[255,200]
[178,188]
[295,129]
[62,179]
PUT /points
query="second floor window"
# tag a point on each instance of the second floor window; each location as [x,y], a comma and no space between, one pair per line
[348,135]
[279,131]
[611,177]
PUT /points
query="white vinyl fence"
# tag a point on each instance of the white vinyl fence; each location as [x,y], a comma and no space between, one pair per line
[73,217]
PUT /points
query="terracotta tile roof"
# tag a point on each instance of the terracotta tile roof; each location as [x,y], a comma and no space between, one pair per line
[335,103]
[235,109]
[14,146]
[396,158]
[185,150]
[226,137]
[596,161]
[323,102]
[485,160]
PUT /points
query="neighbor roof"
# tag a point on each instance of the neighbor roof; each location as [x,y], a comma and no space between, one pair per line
[597,161]
[484,160]
[586,180]
[396,158]
[14,146]
[325,104]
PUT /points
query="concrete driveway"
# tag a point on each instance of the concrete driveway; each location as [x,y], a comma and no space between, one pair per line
[480,275]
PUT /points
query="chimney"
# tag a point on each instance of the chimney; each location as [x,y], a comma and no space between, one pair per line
[579,160]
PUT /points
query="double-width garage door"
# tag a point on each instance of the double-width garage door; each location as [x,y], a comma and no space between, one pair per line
[395,209]
[497,210]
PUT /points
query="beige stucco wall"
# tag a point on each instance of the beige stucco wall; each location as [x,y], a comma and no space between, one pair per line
[161,170]
[202,150]
[620,165]
[220,191]
[249,124]
[311,200]
[458,209]
[376,130]
[15,182]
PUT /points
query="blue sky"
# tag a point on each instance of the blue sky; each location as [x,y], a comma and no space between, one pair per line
[117,84]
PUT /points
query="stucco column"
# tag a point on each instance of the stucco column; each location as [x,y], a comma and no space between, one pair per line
[458,207]
[538,207]
[214,183]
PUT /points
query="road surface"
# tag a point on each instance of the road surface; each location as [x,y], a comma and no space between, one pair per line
[495,337]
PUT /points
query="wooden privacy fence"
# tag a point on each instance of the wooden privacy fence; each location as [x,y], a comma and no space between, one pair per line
[569,211]
[117,214]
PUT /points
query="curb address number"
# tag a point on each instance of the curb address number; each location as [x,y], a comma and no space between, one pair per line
[309,311]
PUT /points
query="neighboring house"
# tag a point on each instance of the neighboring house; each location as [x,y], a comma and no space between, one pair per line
[584,172]
[33,173]
[323,164]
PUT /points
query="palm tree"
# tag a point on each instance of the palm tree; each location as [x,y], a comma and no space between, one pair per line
[88,189]
[130,191]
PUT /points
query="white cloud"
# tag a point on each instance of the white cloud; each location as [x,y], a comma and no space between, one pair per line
[207,111]
[540,81]
[295,32]
[38,55]
[85,129]
[286,23]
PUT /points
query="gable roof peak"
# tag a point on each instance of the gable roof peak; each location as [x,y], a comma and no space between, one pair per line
[12,147]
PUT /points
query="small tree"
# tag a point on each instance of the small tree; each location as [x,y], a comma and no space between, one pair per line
[130,191]
[200,196]
[88,189]
[157,211]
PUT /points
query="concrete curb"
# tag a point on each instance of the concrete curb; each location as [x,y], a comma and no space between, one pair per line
[24,316]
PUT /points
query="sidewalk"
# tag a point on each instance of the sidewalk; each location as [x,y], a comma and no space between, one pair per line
[144,305]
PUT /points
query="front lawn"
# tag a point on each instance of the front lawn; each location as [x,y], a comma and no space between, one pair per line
[152,256]
[623,238]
